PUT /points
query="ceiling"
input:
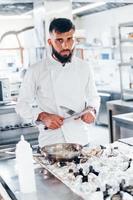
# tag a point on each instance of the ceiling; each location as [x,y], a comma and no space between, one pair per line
[17,7]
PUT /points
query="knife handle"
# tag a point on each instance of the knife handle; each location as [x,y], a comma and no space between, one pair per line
[45,128]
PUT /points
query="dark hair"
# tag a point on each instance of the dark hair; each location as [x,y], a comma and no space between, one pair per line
[61,25]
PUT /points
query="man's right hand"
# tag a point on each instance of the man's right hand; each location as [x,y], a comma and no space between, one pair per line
[51,121]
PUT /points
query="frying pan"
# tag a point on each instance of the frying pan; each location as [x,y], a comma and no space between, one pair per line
[56,152]
[61,151]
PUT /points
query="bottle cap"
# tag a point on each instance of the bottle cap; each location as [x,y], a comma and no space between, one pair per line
[22,145]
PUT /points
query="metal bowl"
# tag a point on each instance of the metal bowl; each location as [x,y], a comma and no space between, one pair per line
[61,151]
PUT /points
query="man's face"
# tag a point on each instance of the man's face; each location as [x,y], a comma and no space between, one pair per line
[62,45]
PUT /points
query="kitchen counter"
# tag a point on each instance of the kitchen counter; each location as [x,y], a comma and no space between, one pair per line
[117,159]
[47,188]
[117,107]
[105,96]
[12,126]
[122,121]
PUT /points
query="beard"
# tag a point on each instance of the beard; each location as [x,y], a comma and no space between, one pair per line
[63,59]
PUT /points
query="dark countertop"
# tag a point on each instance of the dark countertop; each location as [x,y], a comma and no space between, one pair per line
[50,188]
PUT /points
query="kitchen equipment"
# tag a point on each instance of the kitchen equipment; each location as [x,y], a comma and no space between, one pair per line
[61,151]
[4,90]
[53,152]
[12,126]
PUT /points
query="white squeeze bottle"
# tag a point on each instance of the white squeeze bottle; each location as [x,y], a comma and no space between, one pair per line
[25,166]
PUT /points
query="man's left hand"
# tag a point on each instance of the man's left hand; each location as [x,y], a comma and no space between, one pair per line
[89,117]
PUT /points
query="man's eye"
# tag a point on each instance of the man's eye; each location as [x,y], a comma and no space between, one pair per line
[59,40]
[70,39]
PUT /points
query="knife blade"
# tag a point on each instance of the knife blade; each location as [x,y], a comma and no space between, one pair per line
[73,114]
[79,114]
[68,110]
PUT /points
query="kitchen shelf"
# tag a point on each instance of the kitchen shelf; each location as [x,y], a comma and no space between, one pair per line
[126,62]
[126,40]
[127,24]
[129,91]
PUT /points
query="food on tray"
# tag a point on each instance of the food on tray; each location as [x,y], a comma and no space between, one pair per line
[106,173]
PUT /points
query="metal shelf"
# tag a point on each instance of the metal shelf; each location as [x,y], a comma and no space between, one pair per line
[126,93]
[129,91]
[124,64]
[127,24]
[126,40]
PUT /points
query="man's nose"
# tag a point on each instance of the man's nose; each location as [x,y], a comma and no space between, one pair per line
[65,45]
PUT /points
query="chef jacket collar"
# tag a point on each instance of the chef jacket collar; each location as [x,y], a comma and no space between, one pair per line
[53,63]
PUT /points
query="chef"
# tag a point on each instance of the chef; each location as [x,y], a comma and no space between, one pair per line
[59,84]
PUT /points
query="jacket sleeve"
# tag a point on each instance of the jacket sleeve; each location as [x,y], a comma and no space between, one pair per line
[93,98]
[26,98]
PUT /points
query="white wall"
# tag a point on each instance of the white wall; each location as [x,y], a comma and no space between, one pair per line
[14,25]
[104,24]
[10,41]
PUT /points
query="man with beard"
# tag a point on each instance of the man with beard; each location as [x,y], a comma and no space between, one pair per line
[62,82]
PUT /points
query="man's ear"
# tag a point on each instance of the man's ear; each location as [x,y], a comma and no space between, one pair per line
[49,41]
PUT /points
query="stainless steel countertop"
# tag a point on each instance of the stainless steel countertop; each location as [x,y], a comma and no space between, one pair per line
[121,103]
[50,188]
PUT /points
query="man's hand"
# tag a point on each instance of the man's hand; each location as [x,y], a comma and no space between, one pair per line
[89,117]
[51,121]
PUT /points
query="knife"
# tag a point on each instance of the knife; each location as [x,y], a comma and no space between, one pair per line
[73,114]
[68,110]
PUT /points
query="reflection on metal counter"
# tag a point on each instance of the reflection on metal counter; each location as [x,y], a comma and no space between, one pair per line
[102,118]
[50,188]
[12,127]
[5,95]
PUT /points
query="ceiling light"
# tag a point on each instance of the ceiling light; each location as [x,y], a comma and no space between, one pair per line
[87,7]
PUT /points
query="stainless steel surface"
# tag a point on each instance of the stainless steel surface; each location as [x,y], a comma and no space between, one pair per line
[123,121]
[74,114]
[8,151]
[79,114]
[127,117]
[68,110]
[115,108]
[50,188]
[102,115]
[126,61]
[128,141]
[12,127]
[61,151]
[5,95]
[105,96]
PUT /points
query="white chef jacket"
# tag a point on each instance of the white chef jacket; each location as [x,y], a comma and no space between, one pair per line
[51,85]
